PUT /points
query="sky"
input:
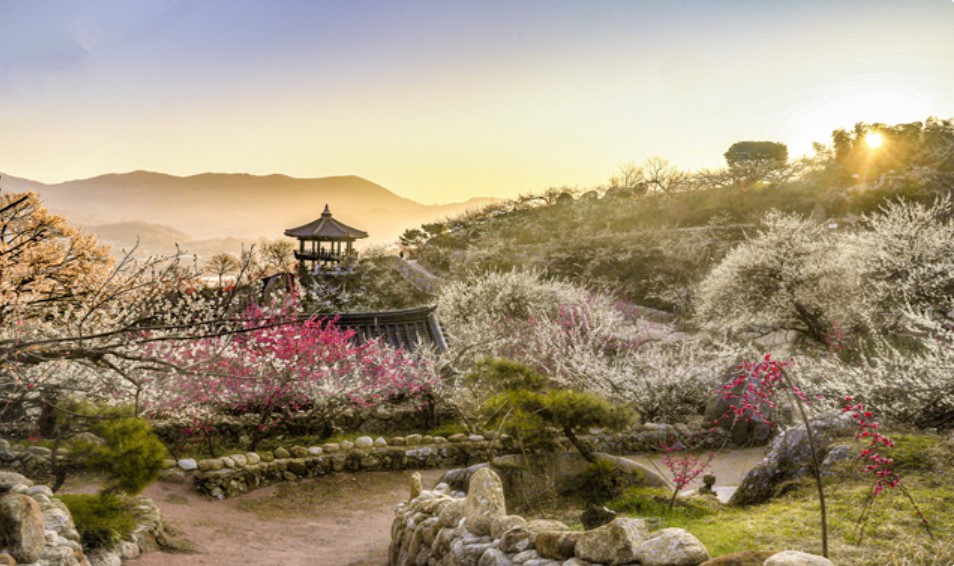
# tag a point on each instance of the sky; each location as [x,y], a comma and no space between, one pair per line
[441,101]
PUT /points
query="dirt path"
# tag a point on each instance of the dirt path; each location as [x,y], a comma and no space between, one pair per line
[337,520]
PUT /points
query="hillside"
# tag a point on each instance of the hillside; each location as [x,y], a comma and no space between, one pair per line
[215,206]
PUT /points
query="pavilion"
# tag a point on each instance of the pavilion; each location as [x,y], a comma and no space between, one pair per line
[332,244]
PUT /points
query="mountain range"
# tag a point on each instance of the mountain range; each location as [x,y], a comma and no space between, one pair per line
[213,212]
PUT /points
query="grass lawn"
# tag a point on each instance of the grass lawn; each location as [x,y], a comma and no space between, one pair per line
[892,536]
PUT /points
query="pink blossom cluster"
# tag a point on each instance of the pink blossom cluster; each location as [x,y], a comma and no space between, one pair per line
[760,383]
[878,464]
[278,366]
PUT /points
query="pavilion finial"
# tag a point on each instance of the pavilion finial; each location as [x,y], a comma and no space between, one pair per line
[327,211]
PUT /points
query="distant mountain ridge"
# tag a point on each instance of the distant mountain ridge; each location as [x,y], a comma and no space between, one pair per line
[161,208]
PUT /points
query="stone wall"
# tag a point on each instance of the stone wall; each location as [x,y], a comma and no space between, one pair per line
[434,528]
[36,528]
[239,473]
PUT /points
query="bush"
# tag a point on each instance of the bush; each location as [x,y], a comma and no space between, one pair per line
[600,482]
[131,455]
[102,520]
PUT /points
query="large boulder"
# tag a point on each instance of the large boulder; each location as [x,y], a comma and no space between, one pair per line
[742,432]
[22,532]
[614,543]
[671,547]
[459,478]
[530,481]
[484,502]
[790,457]
[797,558]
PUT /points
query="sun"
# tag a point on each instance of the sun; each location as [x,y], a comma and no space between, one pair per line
[874,140]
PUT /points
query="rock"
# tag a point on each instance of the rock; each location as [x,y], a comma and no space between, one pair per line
[614,543]
[596,516]
[39,451]
[671,547]
[494,557]
[837,454]
[298,451]
[127,550]
[7,560]
[330,447]
[500,525]
[476,438]
[484,501]
[452,513]
[211,464]
[22,532]
[282,453]
[380,442]
[289,476]
[457,438]
[558,545]
[523,537]
[363,442]
[640,473]
[347,444]
[747,558]
[228,463]
[458,479]
[102,558]
[188,464]
[40,490]
[575,562]
[397,441]
[265,455]
[10,479]
[790,457]
[416,487]
[741,431]
[440,440]
[525,555]
[797,558]
[252,458]
[413,439]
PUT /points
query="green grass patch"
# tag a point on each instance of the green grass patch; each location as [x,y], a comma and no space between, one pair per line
[893,534]
[102,521]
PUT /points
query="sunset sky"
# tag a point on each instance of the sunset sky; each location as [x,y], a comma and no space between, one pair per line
[443,100]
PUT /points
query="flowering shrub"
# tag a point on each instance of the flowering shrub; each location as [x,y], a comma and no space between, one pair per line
[683,466]
[876,463]
[281,369]
[579,340]
[796,274]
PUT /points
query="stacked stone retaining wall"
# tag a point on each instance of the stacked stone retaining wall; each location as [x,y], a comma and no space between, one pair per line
[434,528]
[239,473]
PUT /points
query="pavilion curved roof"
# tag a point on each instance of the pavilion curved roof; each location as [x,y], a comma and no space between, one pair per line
[326,228]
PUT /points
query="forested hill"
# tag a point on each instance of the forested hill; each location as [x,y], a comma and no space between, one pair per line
[653,231]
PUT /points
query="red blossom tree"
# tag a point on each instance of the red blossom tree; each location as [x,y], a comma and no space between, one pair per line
[283,369]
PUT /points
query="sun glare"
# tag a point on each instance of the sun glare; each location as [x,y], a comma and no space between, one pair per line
[874,140]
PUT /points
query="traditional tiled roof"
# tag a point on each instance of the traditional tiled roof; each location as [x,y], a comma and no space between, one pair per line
[406,329]
[326,228]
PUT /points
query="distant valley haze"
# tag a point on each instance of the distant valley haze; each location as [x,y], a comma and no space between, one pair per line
[213,212]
